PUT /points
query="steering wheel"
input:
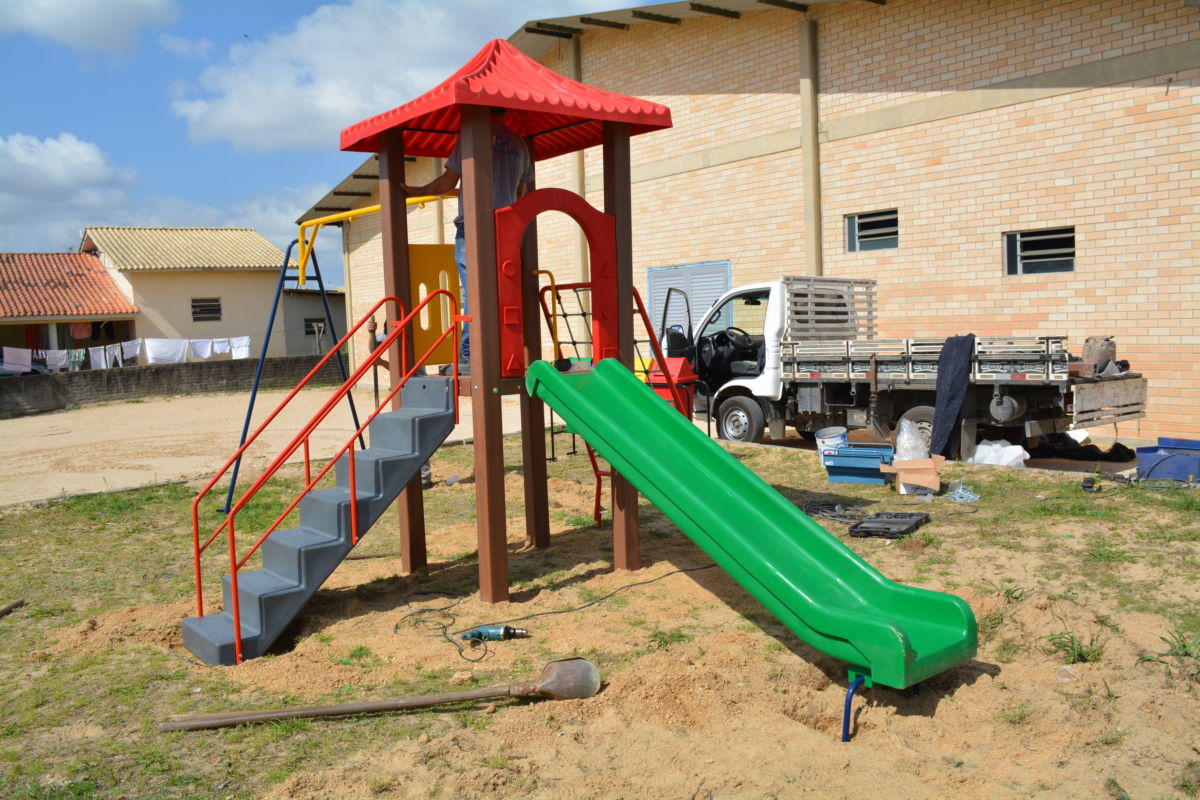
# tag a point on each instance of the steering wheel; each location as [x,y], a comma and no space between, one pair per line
[738,338]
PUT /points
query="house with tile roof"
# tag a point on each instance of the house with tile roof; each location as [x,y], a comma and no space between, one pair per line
[53,301]
[195,283]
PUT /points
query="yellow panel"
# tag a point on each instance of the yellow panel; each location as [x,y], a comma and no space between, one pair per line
[432,267]
[641,366]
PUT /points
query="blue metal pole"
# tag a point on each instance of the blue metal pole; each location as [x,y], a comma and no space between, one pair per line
[849,699]
[333,335]
[262,357]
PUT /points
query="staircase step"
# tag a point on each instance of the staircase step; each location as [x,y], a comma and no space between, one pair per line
[301,553]
[407,429]
[210,639]
[268,600]
[375,470]
[329,510]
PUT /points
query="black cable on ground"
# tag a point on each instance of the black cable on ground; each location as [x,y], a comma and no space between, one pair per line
[443,628]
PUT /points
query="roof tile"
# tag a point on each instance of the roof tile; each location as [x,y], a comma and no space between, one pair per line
[58,285]
[128,248]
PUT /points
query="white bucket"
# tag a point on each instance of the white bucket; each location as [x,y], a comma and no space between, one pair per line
[828,438]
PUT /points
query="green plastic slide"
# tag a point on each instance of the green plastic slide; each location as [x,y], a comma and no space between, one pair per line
[889,634]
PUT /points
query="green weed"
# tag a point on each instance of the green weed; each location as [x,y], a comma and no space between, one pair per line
[662,640]
[1007,649]
[1016,715]
[1074,650]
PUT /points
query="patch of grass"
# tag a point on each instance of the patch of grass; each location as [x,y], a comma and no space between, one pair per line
[1112,738]
[989,624]
[1016,715]
[1074,650]
[1115,791]
[662,640]
[1181,644]
[1007,649]
[497,762]
[1103,551]
[1189,779]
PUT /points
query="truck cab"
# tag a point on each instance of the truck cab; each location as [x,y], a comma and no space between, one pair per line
[735,354]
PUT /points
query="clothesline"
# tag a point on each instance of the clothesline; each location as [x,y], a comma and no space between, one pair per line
[119,354]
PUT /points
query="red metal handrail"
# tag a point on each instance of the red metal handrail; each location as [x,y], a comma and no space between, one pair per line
[399,332]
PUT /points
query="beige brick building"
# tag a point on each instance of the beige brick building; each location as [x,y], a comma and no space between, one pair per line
[977,126]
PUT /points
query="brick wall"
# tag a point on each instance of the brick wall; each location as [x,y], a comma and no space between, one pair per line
[37,394]
[973,119]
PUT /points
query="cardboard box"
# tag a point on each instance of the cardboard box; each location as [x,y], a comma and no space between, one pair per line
[918,471]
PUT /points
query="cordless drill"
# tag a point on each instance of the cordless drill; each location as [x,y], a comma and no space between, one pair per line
[494,633]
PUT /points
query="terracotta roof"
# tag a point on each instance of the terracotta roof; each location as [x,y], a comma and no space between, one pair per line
[58,285]
[560,114]
[182,248]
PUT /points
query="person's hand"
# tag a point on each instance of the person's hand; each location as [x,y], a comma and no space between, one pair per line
[371,326]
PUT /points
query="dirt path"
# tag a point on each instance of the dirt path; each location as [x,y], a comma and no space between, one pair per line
[121,445]
[125,444]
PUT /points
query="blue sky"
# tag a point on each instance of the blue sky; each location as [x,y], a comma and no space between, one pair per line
[211,112]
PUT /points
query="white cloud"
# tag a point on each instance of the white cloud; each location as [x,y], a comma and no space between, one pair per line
[342,63]
[50,189]
[185,48]
[47,186]
[109,25]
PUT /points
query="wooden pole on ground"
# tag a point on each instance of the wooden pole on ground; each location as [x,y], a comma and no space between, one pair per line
[397,283]
[11,607]
[480,229]
[618,202]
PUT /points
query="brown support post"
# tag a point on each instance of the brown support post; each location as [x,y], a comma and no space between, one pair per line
[618,202]
[479,219]
[533,416]
[396,283]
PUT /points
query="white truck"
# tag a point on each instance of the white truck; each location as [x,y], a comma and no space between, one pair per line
[802,351]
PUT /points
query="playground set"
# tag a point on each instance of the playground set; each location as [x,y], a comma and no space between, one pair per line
[888,634]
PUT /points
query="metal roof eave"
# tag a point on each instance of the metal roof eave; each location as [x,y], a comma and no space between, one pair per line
[537,44]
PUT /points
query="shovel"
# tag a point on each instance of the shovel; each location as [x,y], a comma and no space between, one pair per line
[570,679]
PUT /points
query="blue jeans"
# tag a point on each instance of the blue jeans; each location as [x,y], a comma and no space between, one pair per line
[460,257]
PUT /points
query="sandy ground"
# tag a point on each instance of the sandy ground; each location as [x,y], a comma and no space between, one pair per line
[708,696]
[121,445]
[712,697]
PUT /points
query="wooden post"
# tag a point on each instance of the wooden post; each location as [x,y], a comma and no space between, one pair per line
[396,283]
[479,219]
[533,417]
[618,202]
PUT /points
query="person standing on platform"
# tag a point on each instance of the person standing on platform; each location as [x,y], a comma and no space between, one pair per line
[512,176]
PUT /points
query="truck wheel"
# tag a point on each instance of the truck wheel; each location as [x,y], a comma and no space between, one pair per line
[740,420]
[922,417]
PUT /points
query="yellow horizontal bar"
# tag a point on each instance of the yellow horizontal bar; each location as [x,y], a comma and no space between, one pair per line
[315,225]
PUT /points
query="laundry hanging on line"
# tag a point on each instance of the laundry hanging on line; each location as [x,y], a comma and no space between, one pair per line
[17,359]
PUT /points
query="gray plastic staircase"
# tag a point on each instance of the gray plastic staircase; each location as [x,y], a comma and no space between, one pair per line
[297,561]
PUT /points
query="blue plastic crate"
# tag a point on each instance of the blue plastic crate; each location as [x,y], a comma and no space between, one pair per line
[1169,462]
[854,462]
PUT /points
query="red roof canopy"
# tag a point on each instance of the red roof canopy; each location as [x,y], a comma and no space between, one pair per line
[561,115]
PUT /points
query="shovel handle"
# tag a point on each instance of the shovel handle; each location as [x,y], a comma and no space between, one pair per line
[195,722]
